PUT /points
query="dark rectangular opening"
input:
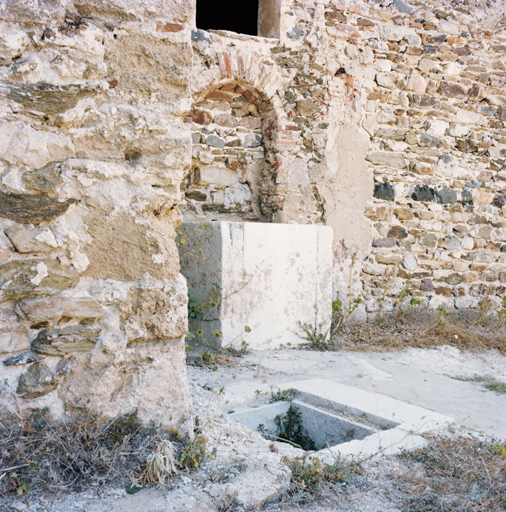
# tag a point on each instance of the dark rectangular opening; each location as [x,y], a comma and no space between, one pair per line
[240,17]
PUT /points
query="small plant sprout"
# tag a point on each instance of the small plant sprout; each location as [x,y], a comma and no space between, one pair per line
[484,306]
[317,337]
[415,300]
[501,313]
[378,319]
[193,453]
[340,312]
[282,395]
[442,316]
[209,345]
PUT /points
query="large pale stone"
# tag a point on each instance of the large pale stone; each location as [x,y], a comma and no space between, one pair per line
[34,148]
[389,159]
[52,309]
[28,239]
[217,176]
[149,378]
[155,313]
[13,42]
[272,278]
[125,250]
[468,117]
[483,197]
[416,82]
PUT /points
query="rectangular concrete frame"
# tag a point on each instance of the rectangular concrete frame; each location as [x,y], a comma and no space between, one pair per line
[324,428]
[272,278]
[408,421]
[399,424]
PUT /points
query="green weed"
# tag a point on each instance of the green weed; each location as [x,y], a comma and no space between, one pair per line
[193,453]
[310,476]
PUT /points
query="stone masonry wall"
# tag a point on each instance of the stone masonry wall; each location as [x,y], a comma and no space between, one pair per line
[92,151]
[383,120]
[392,117]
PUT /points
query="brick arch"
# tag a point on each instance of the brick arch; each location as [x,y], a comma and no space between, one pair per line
[249,69]
[258,83]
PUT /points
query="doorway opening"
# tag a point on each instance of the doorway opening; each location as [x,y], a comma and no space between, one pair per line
[226,15]
[251,17]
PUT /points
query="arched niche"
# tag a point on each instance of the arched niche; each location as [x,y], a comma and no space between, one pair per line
[232,175]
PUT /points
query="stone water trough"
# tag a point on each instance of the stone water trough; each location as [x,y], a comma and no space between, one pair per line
[340,420]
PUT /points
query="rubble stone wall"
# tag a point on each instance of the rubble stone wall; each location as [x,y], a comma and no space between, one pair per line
[383,120]
[92,152]
[389,128]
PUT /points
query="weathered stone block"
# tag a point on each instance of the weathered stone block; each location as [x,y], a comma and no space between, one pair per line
[426,285]
[454,279]
[271,278]
[403,214]
[29,278]
[37,381]
[65,341]
[24,145]
[156,312]
[397,232]
[215,141]
[28,209]
[378,213]
[20,359]
[430,140]
[385,133]
[384,242]
[410,262]
[28,239]
[217,176]
[445,195]
[384,191]
[389,258]
[389,159]
[483,197]
[52,309]
[423,193]
[51,98]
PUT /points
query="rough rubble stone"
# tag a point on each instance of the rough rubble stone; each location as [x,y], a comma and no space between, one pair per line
[423,193]
[65,341]
[384,242]
[426,285]
[454,279]
[384,191]
[395,160]
[446,195]
[53,309]
[37,381]
[28,209]
[397,232]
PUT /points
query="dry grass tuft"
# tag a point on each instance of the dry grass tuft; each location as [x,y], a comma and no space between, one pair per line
[422,330]
[455,475]
[38,454]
